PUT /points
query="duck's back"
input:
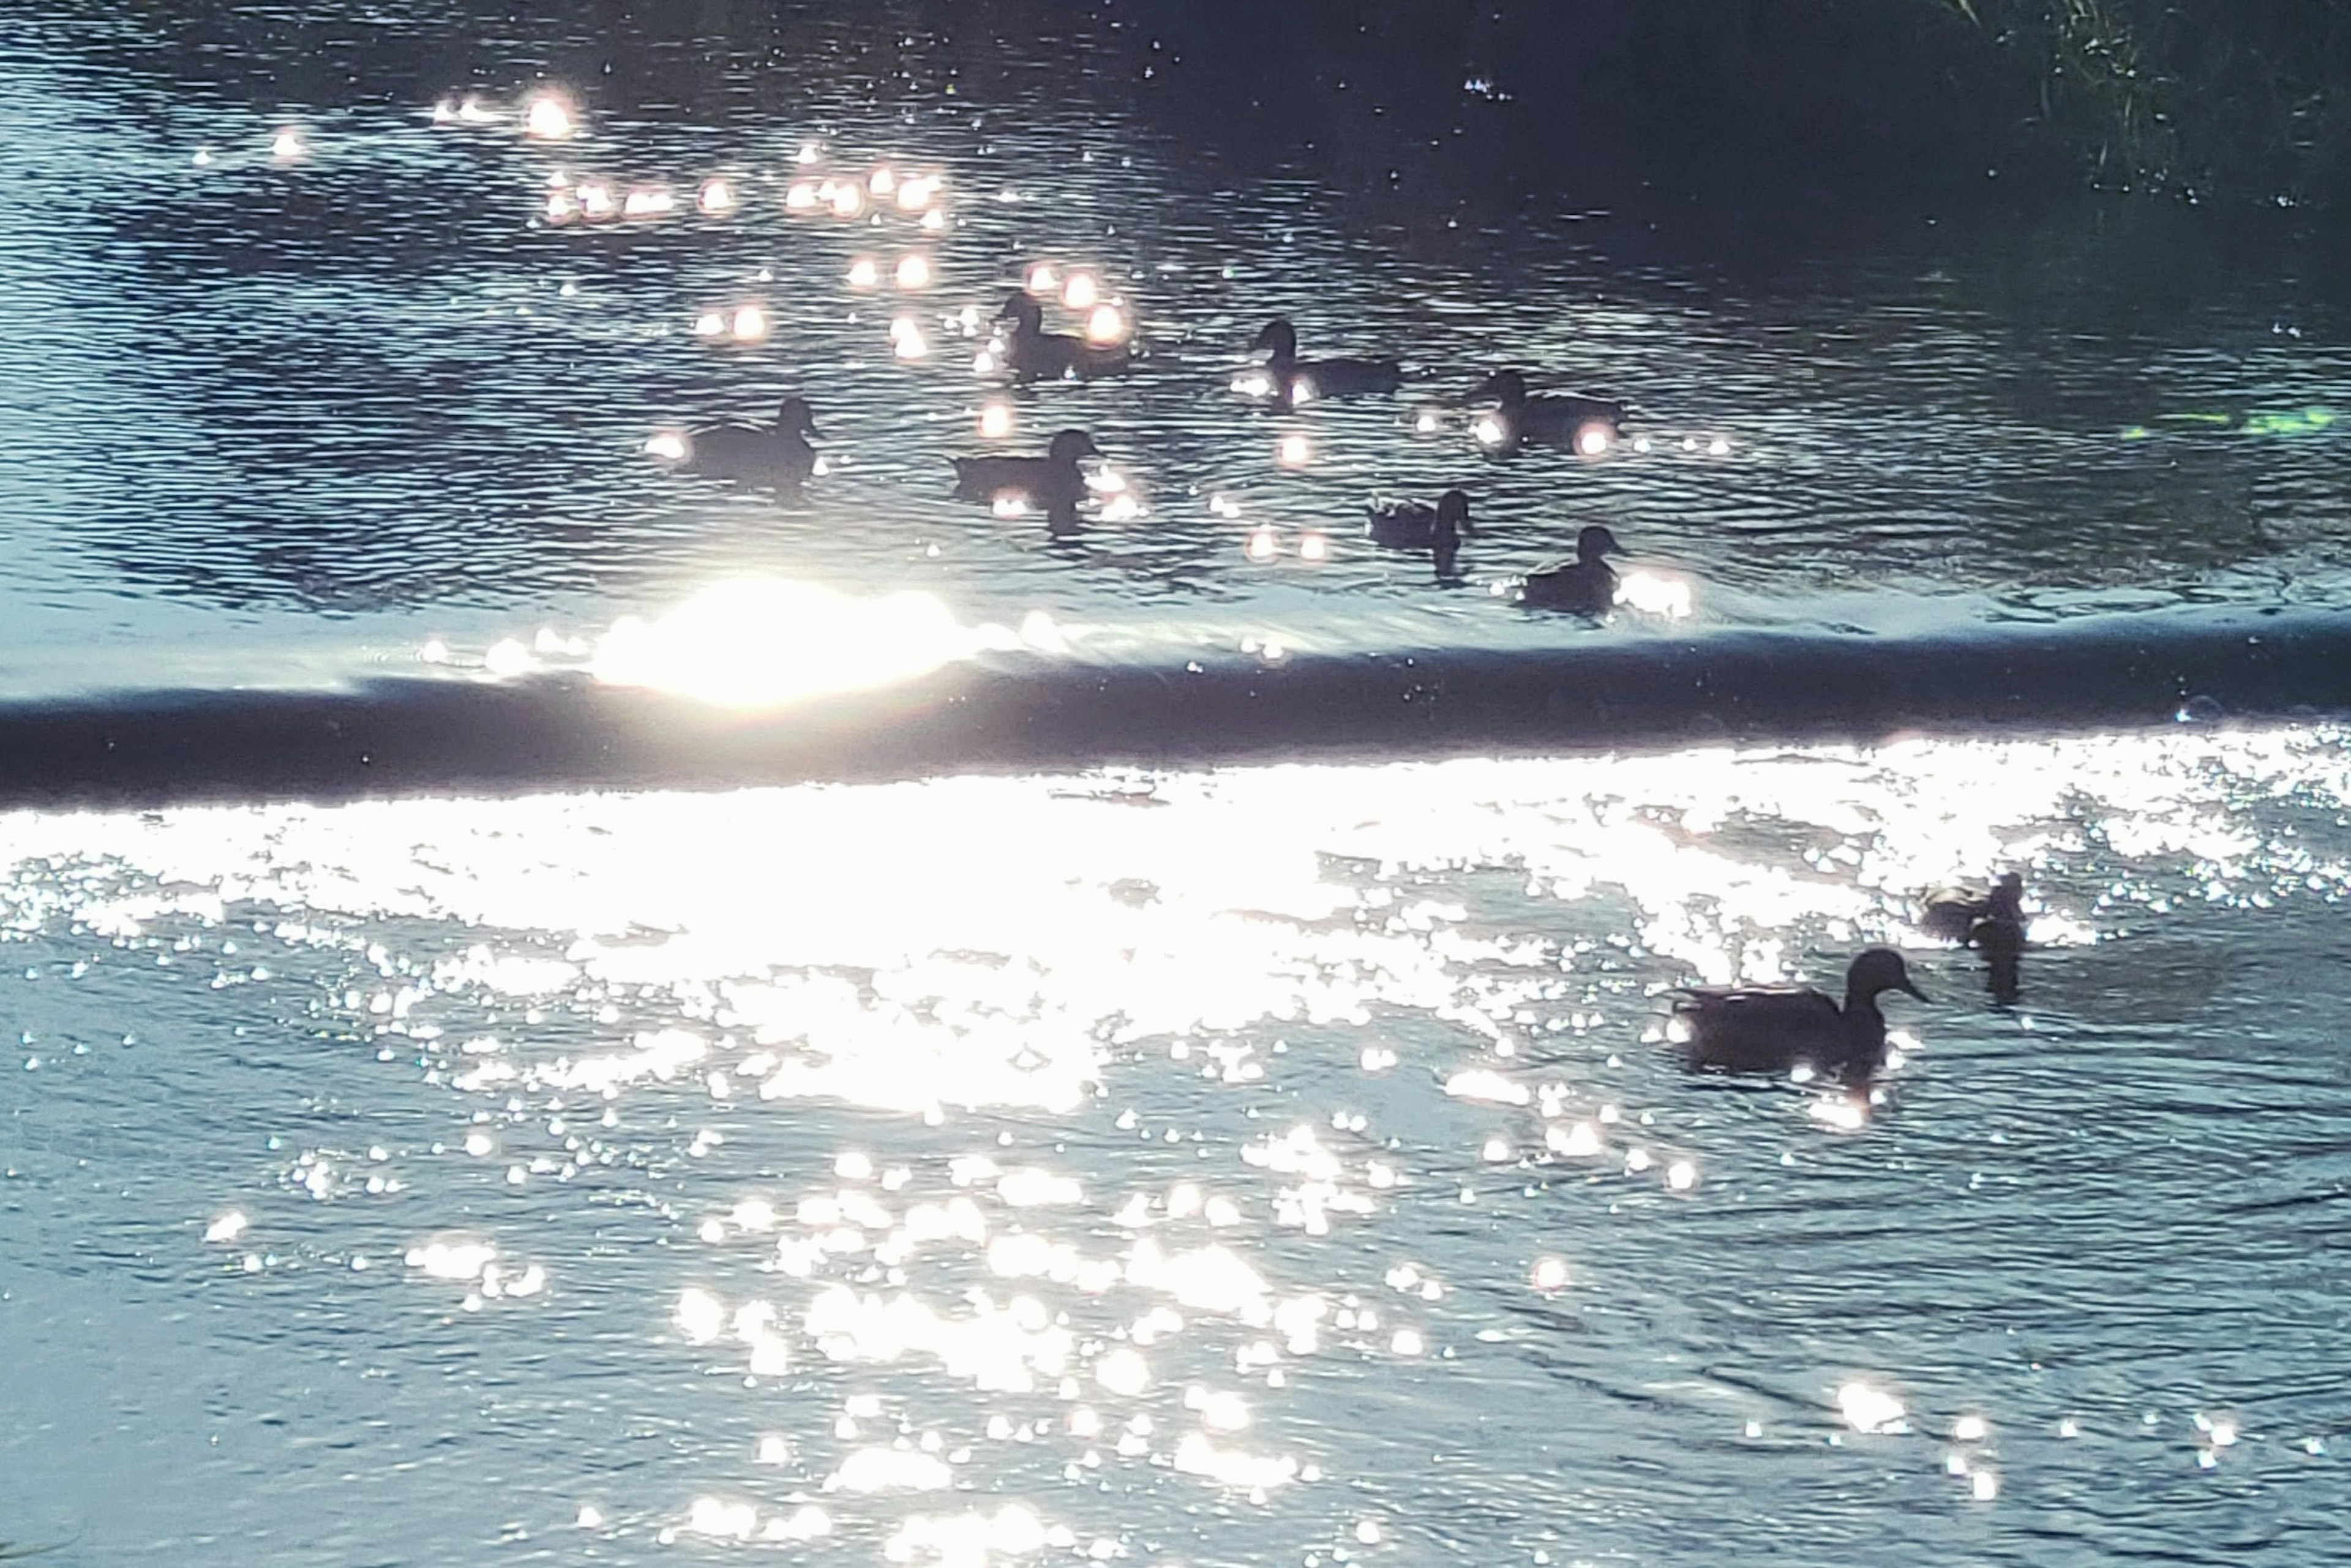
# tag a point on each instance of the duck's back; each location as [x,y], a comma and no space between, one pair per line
[1406,524]
[758,453]
[1560,414]
[1339,377]
[1589,586]
[1951,912]
[1763,1029]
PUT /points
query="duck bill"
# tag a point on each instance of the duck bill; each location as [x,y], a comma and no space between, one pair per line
[1914,992]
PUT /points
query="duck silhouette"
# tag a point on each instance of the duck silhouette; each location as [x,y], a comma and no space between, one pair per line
[777,453]
[1586,585]
[1417,525]
[1777,1028]
[1034,354]
[1554,419]
[1991,921]
[1053,484]
[1302,380]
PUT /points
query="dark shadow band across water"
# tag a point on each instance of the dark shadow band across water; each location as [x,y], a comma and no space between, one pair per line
[413,735]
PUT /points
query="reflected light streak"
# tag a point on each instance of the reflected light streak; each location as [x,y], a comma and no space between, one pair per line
[767,643]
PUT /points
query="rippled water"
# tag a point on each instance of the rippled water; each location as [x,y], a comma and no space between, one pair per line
[1272,1166]
[284,412]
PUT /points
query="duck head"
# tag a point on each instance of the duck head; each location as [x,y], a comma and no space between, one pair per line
[1276,340]
[1594,542]
[1875,972]
[1507,388]
[1072,445]
[1453,512]
[1020,309]
[2007,898]
[794,418]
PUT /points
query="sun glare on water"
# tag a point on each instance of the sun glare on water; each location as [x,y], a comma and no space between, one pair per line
[769,642]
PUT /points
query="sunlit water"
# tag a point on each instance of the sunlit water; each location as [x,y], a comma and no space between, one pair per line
[294,385]
[1274,1166]
[1279,1165]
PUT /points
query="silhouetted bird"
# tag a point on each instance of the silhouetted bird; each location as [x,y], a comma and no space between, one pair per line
[777,453]
[1554,419]
[1052,484]
[1777,1028]
[1034,354]
[1586,584]
[1991,922]
[1302,380]
[1417,525]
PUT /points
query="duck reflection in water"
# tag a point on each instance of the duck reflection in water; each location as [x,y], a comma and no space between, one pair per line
[1052,484]
[1991,921]
[777,453]
[1779,1029]
[1417,525]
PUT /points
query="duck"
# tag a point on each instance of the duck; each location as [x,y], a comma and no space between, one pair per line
[1053,484]
[1554,418]
[1586,585]
[1034,354]
[777,453]
[1991,922]
[1417,525]
[1299,381]
[1777,1028]
[1958,914]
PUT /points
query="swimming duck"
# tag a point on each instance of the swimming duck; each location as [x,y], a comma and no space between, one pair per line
[1554,418]
[1417,525]
[1990,922]
[1052,484]
[1586,584]
[1301,380]
[1776,1029]
[1034,354]
[777,453]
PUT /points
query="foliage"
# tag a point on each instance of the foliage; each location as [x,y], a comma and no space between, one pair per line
[2245,100]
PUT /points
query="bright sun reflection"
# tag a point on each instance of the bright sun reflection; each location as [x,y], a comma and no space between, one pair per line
[1655,593]
[768,643]
[549,119]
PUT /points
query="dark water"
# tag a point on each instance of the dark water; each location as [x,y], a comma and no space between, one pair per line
[1153,1164]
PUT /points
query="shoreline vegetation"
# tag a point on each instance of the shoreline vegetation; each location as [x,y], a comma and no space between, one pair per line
[1953,104]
